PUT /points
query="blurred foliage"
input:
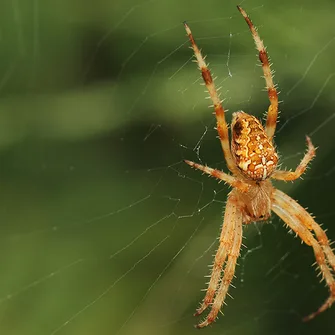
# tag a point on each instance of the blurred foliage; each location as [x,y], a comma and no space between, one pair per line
[103,228]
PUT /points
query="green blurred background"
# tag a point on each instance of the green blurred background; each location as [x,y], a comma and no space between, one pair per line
[104,230]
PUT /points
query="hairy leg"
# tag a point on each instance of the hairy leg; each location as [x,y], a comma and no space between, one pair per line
[230,244]
[300,222]
[222,127]
[292,175]
[271,120]
[231,180]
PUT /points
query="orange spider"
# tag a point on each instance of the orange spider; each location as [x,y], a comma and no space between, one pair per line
[252,160]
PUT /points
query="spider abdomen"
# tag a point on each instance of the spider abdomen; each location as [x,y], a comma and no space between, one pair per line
[253,151]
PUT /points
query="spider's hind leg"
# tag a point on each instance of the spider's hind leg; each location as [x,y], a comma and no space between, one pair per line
[221,123]
[271,120]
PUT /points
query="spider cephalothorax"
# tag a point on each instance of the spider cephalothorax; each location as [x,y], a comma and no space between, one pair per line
[252,160]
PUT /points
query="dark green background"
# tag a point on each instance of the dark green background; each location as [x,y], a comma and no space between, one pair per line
[99,105]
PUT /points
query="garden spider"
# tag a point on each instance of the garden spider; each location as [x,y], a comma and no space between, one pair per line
[252,160]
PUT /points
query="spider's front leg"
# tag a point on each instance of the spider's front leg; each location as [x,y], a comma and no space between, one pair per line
[229,249]
[301,222]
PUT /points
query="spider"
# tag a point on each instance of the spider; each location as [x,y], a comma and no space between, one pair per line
[252,159]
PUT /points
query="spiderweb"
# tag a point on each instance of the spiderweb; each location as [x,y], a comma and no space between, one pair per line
[104,229]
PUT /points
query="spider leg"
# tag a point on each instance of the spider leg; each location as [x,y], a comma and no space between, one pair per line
[229,248]
[272,114]
[226,241]
[321,237]
[301,222]
[231,180]
[222,127]
[292,175]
